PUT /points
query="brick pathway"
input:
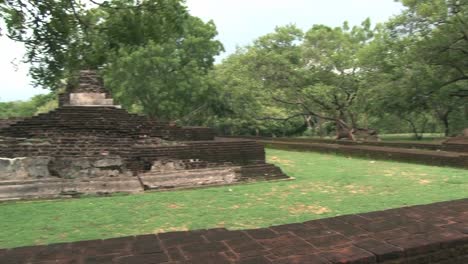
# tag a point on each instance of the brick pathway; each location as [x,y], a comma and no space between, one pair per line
[431,233]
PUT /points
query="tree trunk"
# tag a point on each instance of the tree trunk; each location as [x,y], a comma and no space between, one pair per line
[308,121]
[417,134]
[446,126]
[320,122]
[343,131]
[443,116]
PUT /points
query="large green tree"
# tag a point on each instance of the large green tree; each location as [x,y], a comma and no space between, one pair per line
[155,56]
[418,66]
[439,30]
[316,76]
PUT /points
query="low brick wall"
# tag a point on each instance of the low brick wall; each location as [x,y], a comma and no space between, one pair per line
[435,233]
[392,144]
[412,155]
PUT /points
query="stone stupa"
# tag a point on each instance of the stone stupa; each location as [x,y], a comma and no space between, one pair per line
[89,145]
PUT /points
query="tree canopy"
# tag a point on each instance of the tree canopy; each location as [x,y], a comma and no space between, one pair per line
[154,55]
[409,74]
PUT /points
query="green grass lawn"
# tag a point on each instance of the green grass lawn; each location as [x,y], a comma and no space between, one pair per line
[325,185]
[427,137]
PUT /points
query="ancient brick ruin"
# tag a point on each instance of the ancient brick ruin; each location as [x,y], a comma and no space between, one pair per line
[89,145]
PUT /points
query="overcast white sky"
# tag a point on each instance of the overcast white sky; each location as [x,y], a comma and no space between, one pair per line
[239,22]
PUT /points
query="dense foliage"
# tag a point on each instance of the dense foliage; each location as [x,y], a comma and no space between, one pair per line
[37,104]
[154,55]
[407,75]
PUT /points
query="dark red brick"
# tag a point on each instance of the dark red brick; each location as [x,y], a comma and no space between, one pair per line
[380,226]
[209,258]
[392,234]
[421,228]
[302,259]
[254,260]
[348,229]
[174,254]
[290,228]
[261,233]
[244,245]
[20,255]
[107,259]
[460,227]
[143,259]
[382,250]
[55,252]
[109,246]
[181,238]
[350,254]
[316,232]
[460,218]
[355,219]
[281,252]
[329,241]
[203,249]
[414,245]
[220,234]
[446,238]
[146,244]
[282,241]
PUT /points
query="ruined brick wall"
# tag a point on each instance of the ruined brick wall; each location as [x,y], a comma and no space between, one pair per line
[239,152]
[86,81]
[107,121]
[8,121]
[220,152]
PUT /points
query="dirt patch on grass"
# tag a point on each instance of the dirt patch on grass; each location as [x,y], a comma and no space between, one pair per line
[170,229]
[308,209]
[424,181]
[355,189]
[282,161]
[388,172]
[323,188]
[174,206]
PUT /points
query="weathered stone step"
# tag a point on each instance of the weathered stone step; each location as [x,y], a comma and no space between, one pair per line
[52,188]
[185,178]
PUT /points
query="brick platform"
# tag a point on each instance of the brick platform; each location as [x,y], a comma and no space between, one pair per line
[434,233]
